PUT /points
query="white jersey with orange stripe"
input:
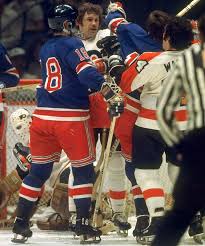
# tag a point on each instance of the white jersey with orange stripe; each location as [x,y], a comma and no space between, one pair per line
[151,78]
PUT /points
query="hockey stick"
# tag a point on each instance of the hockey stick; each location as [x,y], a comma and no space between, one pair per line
[19,88]
[188,8]
[103,146]
[99,175]
[103,169]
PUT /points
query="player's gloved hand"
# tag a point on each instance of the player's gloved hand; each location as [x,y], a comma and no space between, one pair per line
[22,154]
[109,46]
[116,6]
[116,106]
[110,89]
[101,65]
[116,67]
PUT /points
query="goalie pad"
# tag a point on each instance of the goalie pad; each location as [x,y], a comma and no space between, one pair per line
[59,200]
[9,185]
[54,221]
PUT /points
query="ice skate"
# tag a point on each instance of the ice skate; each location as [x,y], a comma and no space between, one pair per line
[122,226]
[145,236]
[87,233]
[196,229]
[21,231]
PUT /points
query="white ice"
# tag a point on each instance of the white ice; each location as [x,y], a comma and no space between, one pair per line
[44,238]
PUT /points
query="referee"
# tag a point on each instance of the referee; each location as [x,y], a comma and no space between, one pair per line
[187,79]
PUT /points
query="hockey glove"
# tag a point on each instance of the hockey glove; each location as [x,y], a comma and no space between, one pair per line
[117,6]
[109,46]
[116,107]
[22,154]
[101,65]
[110,89]
[116,67]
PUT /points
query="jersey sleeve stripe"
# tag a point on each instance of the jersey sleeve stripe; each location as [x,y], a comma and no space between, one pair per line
[83,65]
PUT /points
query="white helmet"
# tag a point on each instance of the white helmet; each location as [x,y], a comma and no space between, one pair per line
[20,121]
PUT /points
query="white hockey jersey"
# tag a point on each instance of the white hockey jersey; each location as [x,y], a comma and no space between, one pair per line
[151,76]
[90,44]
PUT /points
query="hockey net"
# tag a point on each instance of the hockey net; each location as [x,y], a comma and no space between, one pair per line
[24,96]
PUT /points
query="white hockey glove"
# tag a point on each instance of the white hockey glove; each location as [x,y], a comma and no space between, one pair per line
[112,94]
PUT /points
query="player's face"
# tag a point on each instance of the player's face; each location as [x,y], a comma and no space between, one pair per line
[90,25]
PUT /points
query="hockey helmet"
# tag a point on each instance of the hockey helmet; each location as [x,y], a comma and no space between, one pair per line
[61,13]
[20,121]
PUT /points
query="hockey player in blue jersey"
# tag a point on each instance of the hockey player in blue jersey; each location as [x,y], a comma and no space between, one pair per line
[9,77]
[134,40]
[61,121]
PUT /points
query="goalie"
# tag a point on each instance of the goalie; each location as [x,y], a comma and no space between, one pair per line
[20,121]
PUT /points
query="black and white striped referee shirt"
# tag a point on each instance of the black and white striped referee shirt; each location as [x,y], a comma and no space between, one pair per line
[186,79]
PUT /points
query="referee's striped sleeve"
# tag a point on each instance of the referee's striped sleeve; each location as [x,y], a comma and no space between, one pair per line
[169,99]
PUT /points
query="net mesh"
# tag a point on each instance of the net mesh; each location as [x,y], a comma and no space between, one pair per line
[19,97]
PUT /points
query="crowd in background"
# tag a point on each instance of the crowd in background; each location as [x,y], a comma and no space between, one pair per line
[24,28]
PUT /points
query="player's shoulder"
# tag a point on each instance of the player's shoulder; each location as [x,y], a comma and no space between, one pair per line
[148,56]
[65,44]
[102,33]
[2,49]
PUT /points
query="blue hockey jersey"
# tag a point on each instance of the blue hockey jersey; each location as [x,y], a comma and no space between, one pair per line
[131,36]
[67,74]
[8,74]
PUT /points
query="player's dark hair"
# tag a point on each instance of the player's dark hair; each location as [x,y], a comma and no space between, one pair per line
[155,24]
[89,8]
[201,27]
[179,32]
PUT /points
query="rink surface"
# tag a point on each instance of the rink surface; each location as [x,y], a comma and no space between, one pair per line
[66,238]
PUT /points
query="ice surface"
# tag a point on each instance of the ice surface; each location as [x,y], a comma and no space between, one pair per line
[43,238]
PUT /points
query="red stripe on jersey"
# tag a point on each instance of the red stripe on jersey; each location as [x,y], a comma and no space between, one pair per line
[136,191]
[117,195]
[83,65]
[13,71]
[155,192]
[131,58]
[115,23]
[70,192]
[130,73]
[54,112]
[82,191]
[180,115]
[30,193]
[133,102]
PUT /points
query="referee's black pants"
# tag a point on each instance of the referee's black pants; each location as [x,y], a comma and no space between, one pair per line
[189,190]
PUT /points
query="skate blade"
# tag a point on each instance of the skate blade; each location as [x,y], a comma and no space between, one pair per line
[199,239]
[144,240]
[84,239]
[121,233]
[19,239]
